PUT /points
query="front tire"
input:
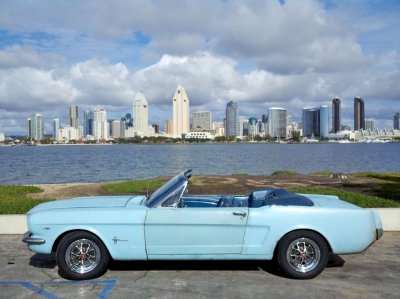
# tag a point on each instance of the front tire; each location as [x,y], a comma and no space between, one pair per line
[81,255]
[302,254]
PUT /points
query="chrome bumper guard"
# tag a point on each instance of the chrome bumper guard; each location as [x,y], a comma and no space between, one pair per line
[32,241]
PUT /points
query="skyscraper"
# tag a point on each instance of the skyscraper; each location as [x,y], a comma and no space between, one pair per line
[180,114]
[370,124]
[336,117]
[141,114]
[100,125]
[277,120]
[324,121]
[56,128]
[88,119]
[232,120]
[359,115]
[202,120]
[73,116]
[35,127]
[316,121]
[396,121]
[311,122]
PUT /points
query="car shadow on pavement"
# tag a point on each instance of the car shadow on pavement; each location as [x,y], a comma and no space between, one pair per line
[43,261]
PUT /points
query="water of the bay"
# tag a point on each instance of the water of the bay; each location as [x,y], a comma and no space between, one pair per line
[96,163]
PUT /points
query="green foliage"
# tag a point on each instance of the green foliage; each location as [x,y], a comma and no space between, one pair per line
[327,173]
[284,172]
[359,199]
[133,187]
[14,200]
[296,136]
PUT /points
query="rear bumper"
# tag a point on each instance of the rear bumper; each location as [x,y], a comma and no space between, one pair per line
[32,241]
[379,233]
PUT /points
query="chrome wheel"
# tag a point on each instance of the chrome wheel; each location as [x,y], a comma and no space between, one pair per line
[303,255]
[82,256]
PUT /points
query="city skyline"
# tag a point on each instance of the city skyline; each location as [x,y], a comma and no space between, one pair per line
[290,54]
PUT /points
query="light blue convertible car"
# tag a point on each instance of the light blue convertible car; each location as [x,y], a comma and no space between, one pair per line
[298,231]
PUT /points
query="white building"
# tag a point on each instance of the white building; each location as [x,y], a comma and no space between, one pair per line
[219,128]
[100,125]
[2,137]
[141,114]
[370,124]
[68,133]
[199,135]
[201,120]
[243,120]
[277,120]
[180,114]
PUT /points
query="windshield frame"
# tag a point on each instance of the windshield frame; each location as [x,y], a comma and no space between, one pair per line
[172,186]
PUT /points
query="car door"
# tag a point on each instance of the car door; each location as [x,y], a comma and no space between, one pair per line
[173,231]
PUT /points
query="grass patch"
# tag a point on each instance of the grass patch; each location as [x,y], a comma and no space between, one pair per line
[388,183]
[133,187]
[14,200]
[362,200]
[285,172]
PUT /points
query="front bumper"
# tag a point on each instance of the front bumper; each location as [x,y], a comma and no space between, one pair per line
[32,241]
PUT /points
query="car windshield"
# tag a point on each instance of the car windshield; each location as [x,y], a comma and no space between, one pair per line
[170,187]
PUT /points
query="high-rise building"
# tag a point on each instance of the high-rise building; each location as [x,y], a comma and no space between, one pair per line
[88,119]
[359,114]
[277,120]
[35,127]
[232,120]
[252,126]
[370,124]
[311,122]
[201,120]
[336,117]
[100,125]
[168,127]
[396,121]
[141,114]
[324,121]
[73,116]
[180,114]
[316,121]
[56,128]
[117,128]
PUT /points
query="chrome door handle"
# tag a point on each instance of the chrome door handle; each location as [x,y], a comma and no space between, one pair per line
[243,214]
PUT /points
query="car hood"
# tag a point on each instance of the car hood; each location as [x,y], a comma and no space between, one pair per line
[89,202]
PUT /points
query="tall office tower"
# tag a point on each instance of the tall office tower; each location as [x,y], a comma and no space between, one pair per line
[243,126]
[180,115]
[311,122]
[156,128]
[56,128]
[232,120]
[396,121]
[264,118]
[324,121]
[141,114]
[336,119]
[201,120]
[88,119]
[73,116]
[277,120]
[316,121]
[359,115]
[117,128]
[100,125]
[35,127]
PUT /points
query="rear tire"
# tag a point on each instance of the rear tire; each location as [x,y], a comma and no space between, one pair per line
[81,255]
[302,254]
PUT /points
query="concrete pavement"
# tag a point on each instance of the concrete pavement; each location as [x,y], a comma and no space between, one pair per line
[372,274]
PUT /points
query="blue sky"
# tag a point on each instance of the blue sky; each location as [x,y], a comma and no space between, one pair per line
[290,54]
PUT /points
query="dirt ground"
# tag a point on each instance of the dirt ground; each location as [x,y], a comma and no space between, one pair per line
[235,184]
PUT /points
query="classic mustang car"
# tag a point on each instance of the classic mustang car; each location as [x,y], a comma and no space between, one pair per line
[298,231]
